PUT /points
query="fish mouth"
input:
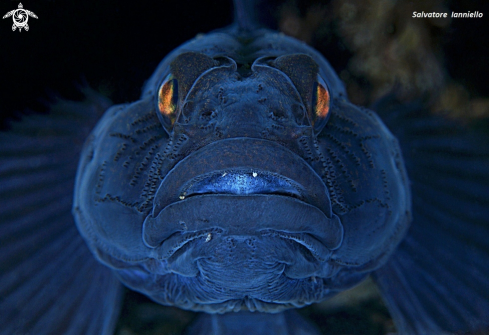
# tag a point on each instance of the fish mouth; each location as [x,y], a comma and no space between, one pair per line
[246,162]
[241,187]
[242,181]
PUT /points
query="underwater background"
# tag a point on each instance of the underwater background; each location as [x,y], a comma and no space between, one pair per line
[114,46]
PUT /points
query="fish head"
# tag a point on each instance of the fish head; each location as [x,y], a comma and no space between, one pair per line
[241,184]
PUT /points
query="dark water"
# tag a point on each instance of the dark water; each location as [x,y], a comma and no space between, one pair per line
[114,46]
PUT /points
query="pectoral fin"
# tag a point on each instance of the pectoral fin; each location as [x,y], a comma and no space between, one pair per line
[438,280]
[49,281]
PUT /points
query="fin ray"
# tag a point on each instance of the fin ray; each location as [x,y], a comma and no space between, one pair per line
[50,283]
[438,279]
[13,206]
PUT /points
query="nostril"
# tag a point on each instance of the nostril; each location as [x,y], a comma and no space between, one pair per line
[208,114]
[278,115]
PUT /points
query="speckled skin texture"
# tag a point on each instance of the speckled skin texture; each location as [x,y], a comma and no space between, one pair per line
[182,248]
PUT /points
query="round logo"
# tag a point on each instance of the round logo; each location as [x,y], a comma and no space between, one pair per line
[20,17]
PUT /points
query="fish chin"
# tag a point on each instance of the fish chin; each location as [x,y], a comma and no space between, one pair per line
[221,273]
[224,258]
[256,252]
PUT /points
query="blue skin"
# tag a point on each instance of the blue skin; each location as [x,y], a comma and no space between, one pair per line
[240,197]
[242,203]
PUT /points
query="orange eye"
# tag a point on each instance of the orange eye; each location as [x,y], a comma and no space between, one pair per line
[321,102]
[167,102]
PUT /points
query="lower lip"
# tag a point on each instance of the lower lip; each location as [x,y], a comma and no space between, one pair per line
[240,215]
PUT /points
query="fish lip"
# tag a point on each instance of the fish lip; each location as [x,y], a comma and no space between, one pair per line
[266,182]
[277,215]
[178,240]
[246,155]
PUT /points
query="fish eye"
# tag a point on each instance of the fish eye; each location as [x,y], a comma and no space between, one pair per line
[320,105]
[168,102]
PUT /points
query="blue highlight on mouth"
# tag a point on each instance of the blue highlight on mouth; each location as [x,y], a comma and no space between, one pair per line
[242,182]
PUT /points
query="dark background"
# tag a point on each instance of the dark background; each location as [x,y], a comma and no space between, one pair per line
[114,46]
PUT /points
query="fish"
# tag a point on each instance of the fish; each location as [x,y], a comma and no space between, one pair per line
[242,184]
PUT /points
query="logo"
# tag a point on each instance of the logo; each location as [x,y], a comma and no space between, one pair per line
[20,17]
